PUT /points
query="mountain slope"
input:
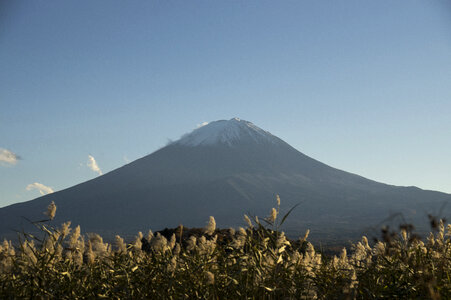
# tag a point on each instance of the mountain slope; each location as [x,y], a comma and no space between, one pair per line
[225,169]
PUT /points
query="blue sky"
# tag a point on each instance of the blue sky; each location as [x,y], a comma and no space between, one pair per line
[363,86]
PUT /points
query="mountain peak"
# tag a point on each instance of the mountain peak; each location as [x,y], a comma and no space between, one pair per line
[227,132]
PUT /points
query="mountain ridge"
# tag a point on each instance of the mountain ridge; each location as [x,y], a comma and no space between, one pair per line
[186,183]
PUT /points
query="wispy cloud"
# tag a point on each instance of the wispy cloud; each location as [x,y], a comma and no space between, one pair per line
[92,164]
[201,124]
[8,157]
[43,189]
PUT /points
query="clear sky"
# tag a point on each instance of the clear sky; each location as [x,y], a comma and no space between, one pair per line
[364,86]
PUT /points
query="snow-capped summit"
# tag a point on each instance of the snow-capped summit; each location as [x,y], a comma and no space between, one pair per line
[226,132]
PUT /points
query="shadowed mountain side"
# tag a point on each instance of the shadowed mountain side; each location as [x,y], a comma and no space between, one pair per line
[227,173]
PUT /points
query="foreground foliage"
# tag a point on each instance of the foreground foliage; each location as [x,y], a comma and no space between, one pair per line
[253,263]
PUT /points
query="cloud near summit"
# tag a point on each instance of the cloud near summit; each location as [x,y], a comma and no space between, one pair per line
[201,124]
[8,157]
[44,190]
[92,164]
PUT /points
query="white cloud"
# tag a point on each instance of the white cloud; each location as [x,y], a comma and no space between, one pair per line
[92,164]
[8,157]
[201,124]
[44,190]
[126,159]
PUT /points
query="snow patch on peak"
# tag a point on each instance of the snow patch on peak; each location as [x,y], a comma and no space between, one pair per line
[226,132]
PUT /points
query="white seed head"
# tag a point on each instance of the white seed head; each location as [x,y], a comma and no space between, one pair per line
[248,221]
[73,240]
[273,216]
[307,232]
[90,256]
[120,244]
[448,230]
[310,249]
[172,264]
[191,243]
[354,281]
[404,234]
[149,236]
[65,229]
[379,249]
[172,241]
[242,231]
[159,243]
[430,239]
[97,245]
[177,249]
[365,243]
[232,231]
[211,226]
[29,250]
[51,210]
[282,240]
[441,226]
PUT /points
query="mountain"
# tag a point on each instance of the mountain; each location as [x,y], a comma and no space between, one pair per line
[227,168]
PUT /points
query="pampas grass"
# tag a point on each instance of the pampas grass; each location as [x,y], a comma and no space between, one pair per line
[256,262]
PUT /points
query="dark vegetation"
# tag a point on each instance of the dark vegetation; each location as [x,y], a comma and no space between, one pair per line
[256,262]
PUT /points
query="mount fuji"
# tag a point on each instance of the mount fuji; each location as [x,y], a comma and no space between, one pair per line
[224,169]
